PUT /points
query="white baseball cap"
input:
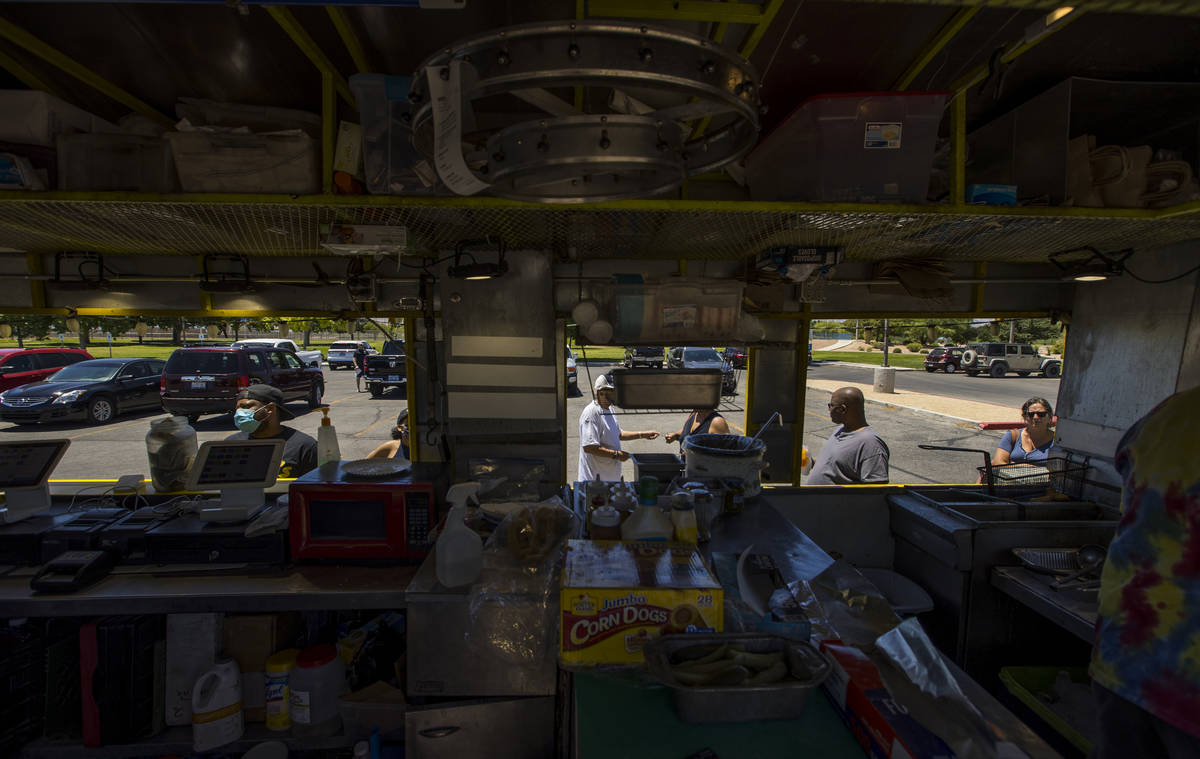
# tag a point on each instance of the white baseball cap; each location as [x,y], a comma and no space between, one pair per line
[603,383]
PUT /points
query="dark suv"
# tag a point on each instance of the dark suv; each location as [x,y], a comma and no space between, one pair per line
[199,381]
[20,366]
[644,356]
[948,360]
[386,369]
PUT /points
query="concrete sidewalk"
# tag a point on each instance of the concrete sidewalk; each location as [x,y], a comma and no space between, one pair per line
[940,406]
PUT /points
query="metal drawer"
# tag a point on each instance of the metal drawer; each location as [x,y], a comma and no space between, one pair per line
[511,729]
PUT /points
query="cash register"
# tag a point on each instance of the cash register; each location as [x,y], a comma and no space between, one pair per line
[213,531]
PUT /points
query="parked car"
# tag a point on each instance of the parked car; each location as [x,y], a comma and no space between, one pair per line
[341,353]
[20,366]
[308,358]
[93,391]
[737,356]
[644,356]
[199,381]
[998,359]
[386,369]
[947,360]
[572,371]
[704,358]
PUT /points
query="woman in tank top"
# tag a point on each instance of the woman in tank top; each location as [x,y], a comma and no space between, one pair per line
[699,422]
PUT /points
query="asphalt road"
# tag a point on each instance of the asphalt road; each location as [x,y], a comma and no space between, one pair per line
[116,449]
[1009,390]
[901,430]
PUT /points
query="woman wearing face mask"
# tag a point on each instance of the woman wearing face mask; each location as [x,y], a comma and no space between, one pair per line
[397,447]
[258,415]
[1033,442]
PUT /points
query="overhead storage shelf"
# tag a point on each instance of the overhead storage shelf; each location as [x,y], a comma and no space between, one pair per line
[284,226]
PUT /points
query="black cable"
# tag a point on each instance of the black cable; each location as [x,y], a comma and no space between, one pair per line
[1190,271]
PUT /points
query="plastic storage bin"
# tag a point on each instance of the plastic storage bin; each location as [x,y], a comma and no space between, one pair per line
[250,163]
[256,118]
[874,147]
[391,164]
[32,117]
[116,162]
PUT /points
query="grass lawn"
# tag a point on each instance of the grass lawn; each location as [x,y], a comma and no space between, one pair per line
[600,352]
[875,358]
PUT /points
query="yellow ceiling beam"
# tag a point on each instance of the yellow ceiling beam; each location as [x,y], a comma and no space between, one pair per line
[350,39]
[291,26]
[24,74]
[23,39]
[1053,23]
[935,45]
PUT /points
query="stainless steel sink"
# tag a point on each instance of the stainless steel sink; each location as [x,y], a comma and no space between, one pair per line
[983,513]
[950,496]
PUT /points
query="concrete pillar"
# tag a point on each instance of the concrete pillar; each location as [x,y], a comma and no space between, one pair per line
[885,379]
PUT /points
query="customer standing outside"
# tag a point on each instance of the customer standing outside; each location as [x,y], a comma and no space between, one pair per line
[1032,443]
[360,366]
[1146,660]
[600,437]
[258,416]
[853,454]
[699,422]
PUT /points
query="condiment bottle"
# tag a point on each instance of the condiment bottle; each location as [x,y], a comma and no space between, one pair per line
[605,524]
[328,451]
[648,522]
[683,516]
[735,495]
[458,555]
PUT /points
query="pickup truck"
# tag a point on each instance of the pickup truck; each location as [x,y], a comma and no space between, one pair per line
[386,368]
[308,358]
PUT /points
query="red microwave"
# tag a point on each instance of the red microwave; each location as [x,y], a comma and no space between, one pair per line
[347,519]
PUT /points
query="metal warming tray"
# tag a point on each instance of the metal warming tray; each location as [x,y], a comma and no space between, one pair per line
[701,704]
[683,389]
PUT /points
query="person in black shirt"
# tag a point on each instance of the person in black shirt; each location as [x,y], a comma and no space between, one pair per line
[360,366]
[699,422]
[258,415]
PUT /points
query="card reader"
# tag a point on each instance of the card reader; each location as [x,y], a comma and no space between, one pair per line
[72,571]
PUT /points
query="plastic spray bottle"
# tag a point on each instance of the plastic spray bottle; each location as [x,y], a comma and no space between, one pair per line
[327,442]
[459,550]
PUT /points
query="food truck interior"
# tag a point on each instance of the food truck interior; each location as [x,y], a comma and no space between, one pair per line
[490,183]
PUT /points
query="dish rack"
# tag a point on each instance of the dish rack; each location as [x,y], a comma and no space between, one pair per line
[1055,473]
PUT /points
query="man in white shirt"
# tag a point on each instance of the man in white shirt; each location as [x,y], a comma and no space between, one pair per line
[600,437]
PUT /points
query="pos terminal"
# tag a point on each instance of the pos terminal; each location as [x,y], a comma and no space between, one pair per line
[25,468]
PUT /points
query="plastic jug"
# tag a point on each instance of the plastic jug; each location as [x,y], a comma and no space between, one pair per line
[327,442]
[459,550]
[217,707]
[314,687]
[648,522]
[171,447]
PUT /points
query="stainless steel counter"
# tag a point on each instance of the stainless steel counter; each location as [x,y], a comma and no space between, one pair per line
[299,588]
[1074,611]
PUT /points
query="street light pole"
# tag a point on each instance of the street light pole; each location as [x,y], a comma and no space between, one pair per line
[885,342]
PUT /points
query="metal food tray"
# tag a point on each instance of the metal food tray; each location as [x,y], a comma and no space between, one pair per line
[1059,561]
[740,703]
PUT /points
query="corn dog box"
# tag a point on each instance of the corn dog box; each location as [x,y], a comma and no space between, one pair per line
[617,595]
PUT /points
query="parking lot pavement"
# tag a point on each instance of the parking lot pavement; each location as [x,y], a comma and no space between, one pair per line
[363,422]
[119,448]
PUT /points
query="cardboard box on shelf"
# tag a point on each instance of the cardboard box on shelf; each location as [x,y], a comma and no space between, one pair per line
[616,596]
[251,640]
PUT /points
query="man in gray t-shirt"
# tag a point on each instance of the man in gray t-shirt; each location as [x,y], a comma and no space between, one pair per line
[853,454]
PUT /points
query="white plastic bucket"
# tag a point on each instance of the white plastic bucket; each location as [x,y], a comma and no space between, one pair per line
[725,457]
[217,707]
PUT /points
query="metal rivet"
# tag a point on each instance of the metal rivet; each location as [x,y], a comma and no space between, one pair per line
[643,30]
[574,182]
[520,142]
[502,58]
[573,50]
[543,123]
[646,54]
[709,67]
[603,119]
[658,124]
[572,26]
[605,143]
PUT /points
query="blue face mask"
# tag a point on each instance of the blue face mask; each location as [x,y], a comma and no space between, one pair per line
[245,420]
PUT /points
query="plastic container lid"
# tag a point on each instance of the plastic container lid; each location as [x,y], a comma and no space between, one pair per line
[283,661]
[316,656]
[606,516]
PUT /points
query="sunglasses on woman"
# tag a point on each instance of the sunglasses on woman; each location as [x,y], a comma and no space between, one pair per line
[1038,414]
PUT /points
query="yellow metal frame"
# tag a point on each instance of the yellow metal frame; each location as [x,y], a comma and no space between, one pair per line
[678,206]
[935,46]
[25,75]
[349,38]
[21,38]
[1014,51]
[410,387]
[801,357]
[291,26]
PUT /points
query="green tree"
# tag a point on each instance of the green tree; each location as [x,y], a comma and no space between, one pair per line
[28,326]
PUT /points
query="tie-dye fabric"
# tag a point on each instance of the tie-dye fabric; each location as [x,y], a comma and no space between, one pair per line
[1148,637]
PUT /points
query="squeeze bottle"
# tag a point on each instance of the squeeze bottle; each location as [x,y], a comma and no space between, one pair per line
[459,549]
[327,442]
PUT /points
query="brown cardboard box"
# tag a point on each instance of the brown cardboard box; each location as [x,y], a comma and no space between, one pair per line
[251,640]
